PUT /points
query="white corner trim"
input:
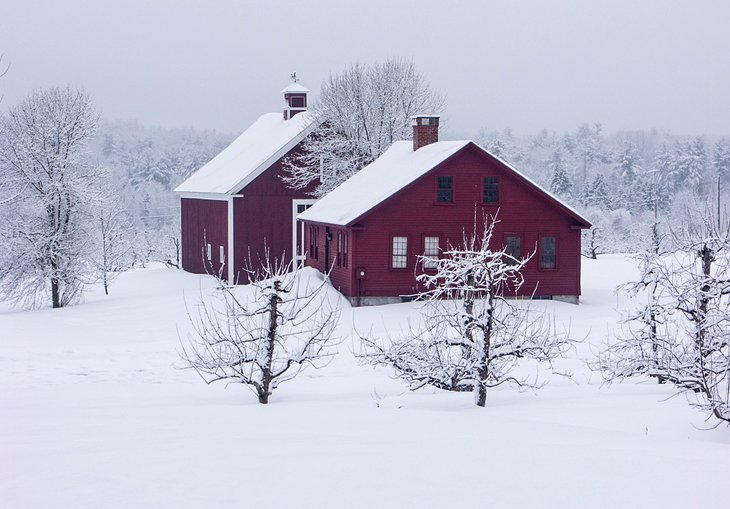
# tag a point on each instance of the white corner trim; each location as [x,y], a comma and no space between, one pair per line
[231,272]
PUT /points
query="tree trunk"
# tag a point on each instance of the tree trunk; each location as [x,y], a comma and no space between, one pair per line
[266,375]
[55,293]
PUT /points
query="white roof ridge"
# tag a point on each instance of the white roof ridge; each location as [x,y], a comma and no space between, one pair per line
[376,182]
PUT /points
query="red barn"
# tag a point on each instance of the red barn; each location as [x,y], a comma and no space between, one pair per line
[420,196]
[236,204]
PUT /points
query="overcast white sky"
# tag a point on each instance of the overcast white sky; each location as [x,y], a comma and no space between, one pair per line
[526,65]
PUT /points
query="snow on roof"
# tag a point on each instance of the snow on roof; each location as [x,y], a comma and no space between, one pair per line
[388,174]
[570,209]
[257,148]
[295,88]
[399,166]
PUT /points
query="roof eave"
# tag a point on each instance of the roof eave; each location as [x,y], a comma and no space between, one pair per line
[274,157]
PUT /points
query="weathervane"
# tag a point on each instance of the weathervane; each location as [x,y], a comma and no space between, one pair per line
[293,77]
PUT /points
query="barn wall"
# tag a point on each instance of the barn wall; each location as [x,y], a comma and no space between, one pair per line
[203,221]
[414,214]
[262,218]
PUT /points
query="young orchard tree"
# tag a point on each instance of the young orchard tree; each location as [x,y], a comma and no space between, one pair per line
[115,239]
[472,337]
[365,109]
[45,171]
[263,334]
[682,334]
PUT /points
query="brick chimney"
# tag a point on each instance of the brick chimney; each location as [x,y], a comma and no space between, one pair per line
[425,130]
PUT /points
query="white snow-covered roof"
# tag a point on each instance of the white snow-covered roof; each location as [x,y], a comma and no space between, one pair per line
[398,167]
[295,88]
[395,169]
[257,148]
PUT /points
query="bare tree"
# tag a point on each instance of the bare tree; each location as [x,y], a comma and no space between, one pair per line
[265,333]
[46,172]
[682,334]
[114,238]
[365,109]
[472,337]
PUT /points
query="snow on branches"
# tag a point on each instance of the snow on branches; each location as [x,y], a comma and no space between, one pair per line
[681,334]
[47,178]
[365,110]
[472,337]
[263,334]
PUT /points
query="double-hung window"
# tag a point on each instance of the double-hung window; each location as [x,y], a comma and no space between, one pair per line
[513,249]
[399,258]
[445,190]
[548,254]
[430,252]
[491,190]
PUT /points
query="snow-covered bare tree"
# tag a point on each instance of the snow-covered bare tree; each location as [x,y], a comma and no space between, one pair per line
[365,109]
[46,173]
[114,237]
[265,333]
[472,337]
[681,335]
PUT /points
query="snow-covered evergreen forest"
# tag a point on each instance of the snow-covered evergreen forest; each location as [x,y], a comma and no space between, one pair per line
[615,179]
[620,180]
[145,165]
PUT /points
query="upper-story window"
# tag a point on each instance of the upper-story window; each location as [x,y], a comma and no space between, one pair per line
[491,190]
[297,101]
[445,190]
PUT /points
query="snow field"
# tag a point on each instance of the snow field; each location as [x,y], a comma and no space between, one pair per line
[95,412]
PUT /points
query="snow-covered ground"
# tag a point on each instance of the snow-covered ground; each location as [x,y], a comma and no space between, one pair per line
[95,412]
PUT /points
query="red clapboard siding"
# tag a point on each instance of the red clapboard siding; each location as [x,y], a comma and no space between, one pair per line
[203,222]
[262,218]
[413,213]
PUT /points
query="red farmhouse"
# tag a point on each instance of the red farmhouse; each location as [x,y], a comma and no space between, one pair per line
[236,204]
[417,198]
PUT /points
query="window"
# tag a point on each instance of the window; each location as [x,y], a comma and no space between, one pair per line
[513,248]
[301,207]
[491,190]
[444,190]
[339,249]
[547,253]
[345,249]
[400,253]
[209,252]
[222,255]
[297,101]
[314,242]
[430,252]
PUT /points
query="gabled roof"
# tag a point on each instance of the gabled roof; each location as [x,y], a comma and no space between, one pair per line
[397,168]
[257,148]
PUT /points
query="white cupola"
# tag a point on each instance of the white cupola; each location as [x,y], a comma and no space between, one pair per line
[295,98]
